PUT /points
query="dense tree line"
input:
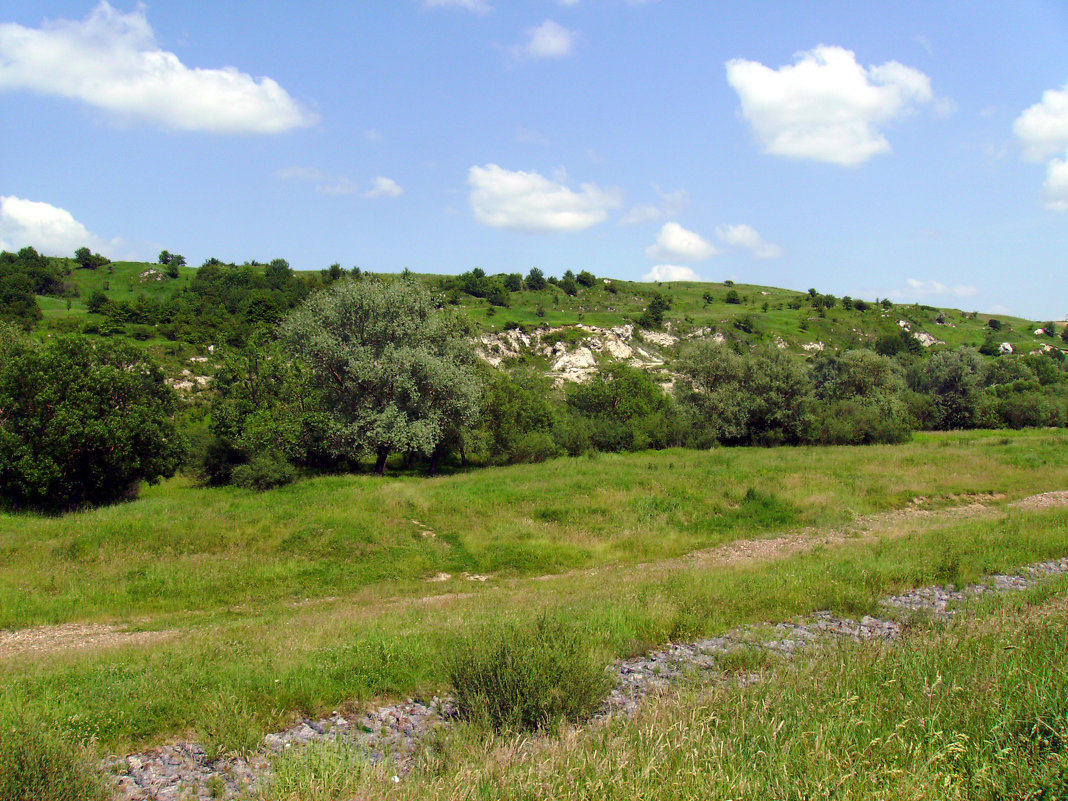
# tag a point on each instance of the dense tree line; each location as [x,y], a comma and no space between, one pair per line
[369,372]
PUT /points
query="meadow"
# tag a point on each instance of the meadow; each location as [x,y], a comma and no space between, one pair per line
[319,596]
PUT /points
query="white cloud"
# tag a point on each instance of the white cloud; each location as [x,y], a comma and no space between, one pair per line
[50,229]
[917,290]
[384,187]
[1043,128]
[111,60]
[371,135]
[671,272]
[528,201]
[826,107]
[675,242]
[1043,132]
[299,174]
[745,236]
[1057,185]
[671,204]
[548,40]
[477,6]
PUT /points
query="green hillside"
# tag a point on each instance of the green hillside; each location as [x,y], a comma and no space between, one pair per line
[757,313]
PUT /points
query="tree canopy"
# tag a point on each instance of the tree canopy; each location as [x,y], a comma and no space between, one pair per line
[396,372]
[82,422]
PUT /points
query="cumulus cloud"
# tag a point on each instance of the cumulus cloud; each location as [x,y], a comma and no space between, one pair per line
[745,236]
[916,289]
[49,229]
[826,106]
[111,60]
[548,40]
[671,272]
[1043,128]
[671,204]
[676,242]
[1043,133]
[384,187]
[477,6]
[528,201]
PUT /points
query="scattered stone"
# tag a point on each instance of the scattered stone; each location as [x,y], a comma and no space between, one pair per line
[1006,349]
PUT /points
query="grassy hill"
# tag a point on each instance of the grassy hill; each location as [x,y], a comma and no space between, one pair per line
[758,313]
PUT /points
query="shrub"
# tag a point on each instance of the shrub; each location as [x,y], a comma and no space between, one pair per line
[527,677]
[264,472]
[36,763]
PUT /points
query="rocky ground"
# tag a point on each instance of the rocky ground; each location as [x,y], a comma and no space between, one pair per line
[184,771]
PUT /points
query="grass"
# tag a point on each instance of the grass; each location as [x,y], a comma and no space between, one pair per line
[974,710]
[837,327]
[314,597]
[39,764]
[181,550]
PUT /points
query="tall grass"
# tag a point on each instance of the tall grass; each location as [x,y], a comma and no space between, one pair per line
[38,764]
[978,710]
[526,678]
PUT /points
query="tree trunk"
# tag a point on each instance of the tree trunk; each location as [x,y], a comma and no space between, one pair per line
[380,462]
[435,458]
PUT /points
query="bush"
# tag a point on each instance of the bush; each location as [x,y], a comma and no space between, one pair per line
[264,472]
[527,677]
[37,764]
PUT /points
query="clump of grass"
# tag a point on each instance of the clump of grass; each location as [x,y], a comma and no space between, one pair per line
[38,764]
[323,771]
[527,677]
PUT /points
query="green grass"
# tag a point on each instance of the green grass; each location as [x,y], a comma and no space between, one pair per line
[180,548]
[837,328]
[266,623]
[975,710]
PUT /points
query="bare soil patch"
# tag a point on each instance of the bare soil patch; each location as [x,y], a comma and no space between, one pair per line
[1046,500]
[48,639]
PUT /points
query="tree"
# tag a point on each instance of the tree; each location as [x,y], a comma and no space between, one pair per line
[586,278]
[536,279]
[89,260]
[653,316]
[82,422]
[396,372]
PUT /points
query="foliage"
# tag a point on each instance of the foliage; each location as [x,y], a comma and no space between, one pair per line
[763,398]
[653,316]
[22,276]
[620,408]
[395,371]
[82,423]
[527,678]
[88,260]
[517,417]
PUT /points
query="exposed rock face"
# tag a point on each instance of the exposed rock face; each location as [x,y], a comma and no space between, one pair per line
[814,347]
[926,339]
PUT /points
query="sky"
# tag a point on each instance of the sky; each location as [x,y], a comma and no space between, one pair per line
[917,151]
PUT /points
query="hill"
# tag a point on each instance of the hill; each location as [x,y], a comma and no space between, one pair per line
[802,321]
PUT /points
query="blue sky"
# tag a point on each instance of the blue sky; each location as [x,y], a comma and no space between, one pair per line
[917,151]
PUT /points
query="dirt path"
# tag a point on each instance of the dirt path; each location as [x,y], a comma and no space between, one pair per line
[48,639]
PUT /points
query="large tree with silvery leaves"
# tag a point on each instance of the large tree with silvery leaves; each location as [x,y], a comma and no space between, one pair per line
[397,372]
